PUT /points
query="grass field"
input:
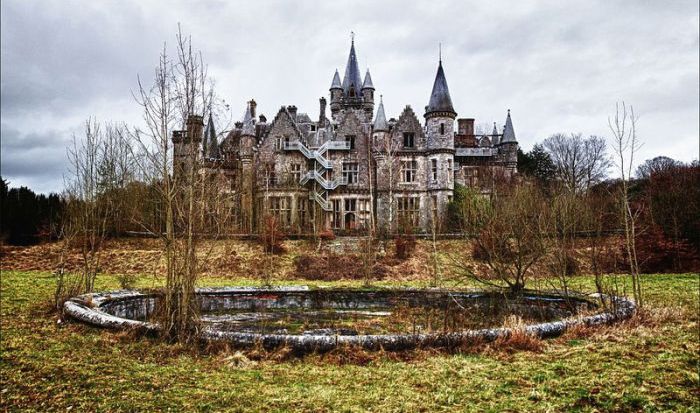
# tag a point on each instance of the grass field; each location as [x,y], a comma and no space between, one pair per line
[649,363]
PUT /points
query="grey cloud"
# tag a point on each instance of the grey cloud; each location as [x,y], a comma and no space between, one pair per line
[560,66]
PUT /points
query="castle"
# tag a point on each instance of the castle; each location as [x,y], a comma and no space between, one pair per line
[354,170]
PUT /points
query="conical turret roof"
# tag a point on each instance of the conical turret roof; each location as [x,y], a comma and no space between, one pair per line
[367,84]
[440,100]
[335,84]
[352,79]
[508,131]
[380,123]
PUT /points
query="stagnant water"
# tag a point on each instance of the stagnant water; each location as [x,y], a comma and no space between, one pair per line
[429,318]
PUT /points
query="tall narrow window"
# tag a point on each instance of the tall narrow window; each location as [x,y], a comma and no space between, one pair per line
[409,211]
[301,210]
[442,129]
[449,170]
[337,213]
[408,171]
[408,139]
[296,173]
[434,169]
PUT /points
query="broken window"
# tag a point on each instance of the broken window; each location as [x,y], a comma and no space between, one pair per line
[408,139]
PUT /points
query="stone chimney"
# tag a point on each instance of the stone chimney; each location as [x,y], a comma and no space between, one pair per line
[195,125]
[253,105]
[292,111]
[465,126]
[322,112]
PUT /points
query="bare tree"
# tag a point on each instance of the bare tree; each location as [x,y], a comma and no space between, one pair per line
[658,164]
[579,163]
[180,95]
[623,126]
[508,233]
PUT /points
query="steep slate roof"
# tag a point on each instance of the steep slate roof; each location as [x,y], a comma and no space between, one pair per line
[336,81]
[380,121]
[212,147]
[352,73]
[367,84]
[508,132]
[440,100]
[248,122]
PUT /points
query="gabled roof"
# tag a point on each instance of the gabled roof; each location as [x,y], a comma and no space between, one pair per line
[380,121]
[367,84]
[335,84]
[352,73]
[508,131]
[440,100]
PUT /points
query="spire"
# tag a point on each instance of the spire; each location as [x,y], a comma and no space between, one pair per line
[367,84]
[508,131]
[212,147]
[380,121]
[248,122]
[440,100]
[352,80]
[494,134]
[336,81]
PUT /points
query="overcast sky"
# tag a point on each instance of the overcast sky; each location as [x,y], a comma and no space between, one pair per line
[560,66]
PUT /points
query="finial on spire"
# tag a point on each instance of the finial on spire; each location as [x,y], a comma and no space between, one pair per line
[352,36]
[440,51]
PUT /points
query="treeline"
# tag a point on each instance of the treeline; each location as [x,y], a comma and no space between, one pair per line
[657,206]
[26,217]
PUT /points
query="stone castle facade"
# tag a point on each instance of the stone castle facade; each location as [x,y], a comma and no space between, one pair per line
[354,169]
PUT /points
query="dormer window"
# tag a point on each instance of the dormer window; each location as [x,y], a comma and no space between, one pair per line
[408,139]
[313,128]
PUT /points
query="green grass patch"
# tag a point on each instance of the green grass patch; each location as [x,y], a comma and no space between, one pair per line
[649,363]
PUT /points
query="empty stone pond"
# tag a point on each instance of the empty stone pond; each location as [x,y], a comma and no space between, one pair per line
[321,319]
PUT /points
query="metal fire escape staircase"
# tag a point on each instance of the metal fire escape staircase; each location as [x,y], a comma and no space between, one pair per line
[319,174]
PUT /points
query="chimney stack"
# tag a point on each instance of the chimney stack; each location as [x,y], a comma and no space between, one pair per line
[292,111]
[195,125]
[322,112]
[252,108]
[465,126]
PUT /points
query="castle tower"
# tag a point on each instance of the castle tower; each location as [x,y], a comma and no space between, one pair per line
[336,93]
[509,146]
[187,145]
[352,92]
[440,114]
[380,129]
[439,124]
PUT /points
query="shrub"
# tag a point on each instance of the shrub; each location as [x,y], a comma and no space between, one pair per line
[126,281]
[272,236]
[405,246]
[326,235]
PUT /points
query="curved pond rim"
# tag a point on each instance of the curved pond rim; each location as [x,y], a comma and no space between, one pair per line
[130,309]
